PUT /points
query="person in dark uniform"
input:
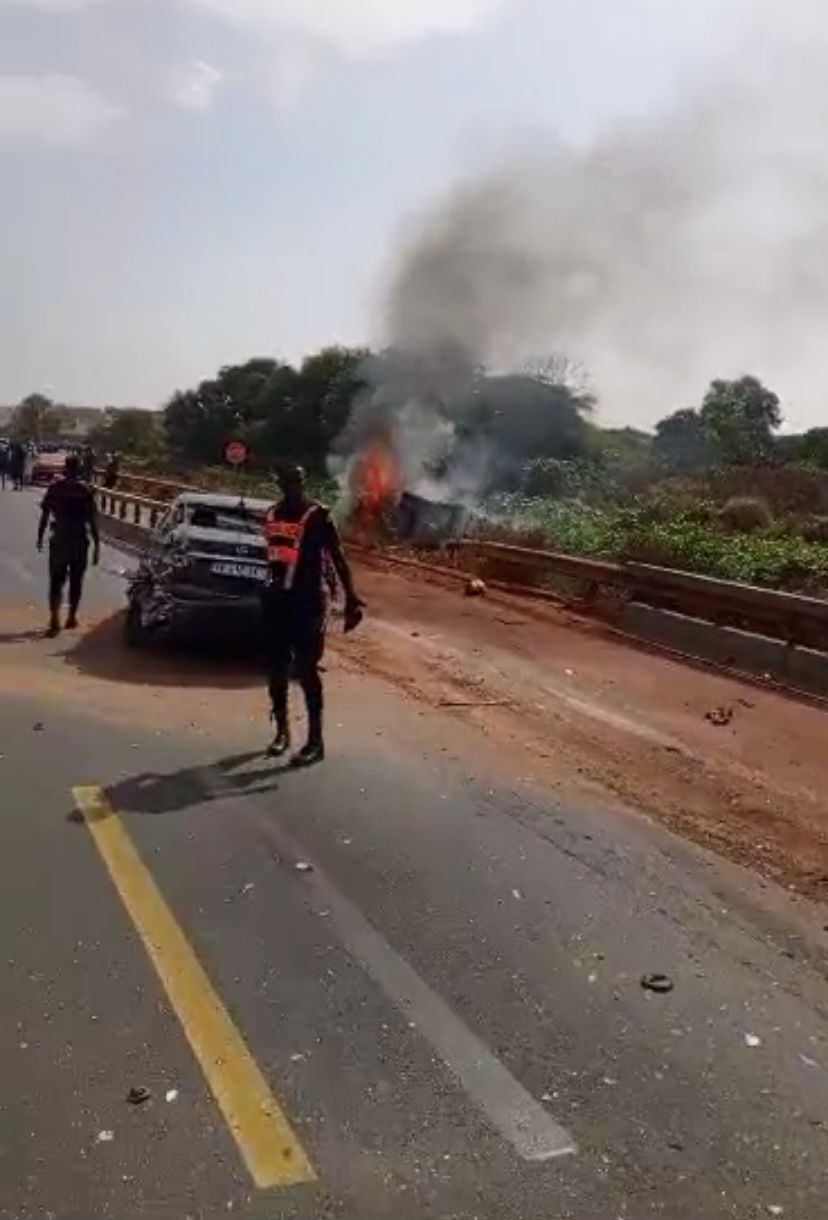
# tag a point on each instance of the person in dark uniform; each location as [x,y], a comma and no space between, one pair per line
[88,464]
[69,504]
[301,541]
[112,470]
[17,465]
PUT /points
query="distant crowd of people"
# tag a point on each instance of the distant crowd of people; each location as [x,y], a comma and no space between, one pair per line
[17,459]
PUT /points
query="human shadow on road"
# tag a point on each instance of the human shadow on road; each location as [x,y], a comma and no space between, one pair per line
[151,792]
[101,653]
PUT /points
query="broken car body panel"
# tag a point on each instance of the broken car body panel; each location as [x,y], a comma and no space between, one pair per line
[203,570]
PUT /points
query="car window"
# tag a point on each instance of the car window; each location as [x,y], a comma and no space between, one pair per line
[236,519]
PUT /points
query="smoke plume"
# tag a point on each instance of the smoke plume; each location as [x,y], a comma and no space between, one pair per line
[670,251]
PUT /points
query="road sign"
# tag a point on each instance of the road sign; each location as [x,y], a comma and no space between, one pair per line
[235,452]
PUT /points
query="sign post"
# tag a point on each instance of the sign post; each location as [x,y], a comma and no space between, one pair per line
[235,452]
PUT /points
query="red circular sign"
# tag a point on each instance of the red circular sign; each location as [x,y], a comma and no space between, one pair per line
[235,452]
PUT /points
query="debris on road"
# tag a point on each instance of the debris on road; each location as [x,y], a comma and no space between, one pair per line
[39,727]
[719,716]
[752,1040]
[475,588]
[105,1137]
[248,886]
[661,984]
[302,866]
[171,1095]
[137,1096]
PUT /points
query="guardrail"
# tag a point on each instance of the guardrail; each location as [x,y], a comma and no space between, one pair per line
[743,627]
[790,617]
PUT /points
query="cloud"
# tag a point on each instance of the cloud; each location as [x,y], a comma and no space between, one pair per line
[194,85]
[355,27]
[56,109]
[51,6]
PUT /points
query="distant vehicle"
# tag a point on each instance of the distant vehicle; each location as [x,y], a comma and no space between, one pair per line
[46,464]
[202,572]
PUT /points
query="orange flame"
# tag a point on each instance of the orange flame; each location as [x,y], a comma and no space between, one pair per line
[376,483]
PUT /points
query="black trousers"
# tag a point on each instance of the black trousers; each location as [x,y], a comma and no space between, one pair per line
[294,647]
[67,562]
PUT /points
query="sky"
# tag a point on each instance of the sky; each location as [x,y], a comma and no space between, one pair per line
[188,183]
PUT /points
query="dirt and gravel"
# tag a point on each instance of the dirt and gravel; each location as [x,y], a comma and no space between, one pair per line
[553,698]
[729,765]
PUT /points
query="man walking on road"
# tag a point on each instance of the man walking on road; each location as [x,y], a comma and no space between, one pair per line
[300,537]
[69,504]
[17,465]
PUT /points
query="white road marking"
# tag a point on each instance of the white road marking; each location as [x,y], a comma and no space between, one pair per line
[510,1109]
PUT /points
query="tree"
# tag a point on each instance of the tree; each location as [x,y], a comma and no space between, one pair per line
[557,369]
[810,447]
[740,418]
[36,418]
[681,443]
[129,430]
[282,413]
[327,387]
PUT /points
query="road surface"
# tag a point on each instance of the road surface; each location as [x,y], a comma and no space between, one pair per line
[402,984]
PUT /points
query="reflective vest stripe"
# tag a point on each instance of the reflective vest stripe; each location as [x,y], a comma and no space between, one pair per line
[284,542]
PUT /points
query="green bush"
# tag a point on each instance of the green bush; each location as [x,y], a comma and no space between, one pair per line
[685,540]
[746,514]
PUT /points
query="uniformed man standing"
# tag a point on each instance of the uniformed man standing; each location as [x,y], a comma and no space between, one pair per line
[301,538]
[69,504]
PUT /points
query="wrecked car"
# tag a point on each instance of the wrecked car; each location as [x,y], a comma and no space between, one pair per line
[201,573]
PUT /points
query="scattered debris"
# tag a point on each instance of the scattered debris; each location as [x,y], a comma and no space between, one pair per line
[302,866]
[752,1040]
[746,703]
[675,1145]
[517,894]
[809,1063]
[248,886]
[775,1210]
[137,1096]
[570,673]
[475,588]
[661,984]
[105,1137]
[171,1095]
[297,1058]
[720,716]
[39,727]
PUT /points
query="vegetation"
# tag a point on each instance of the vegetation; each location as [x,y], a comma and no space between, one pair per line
[715,489]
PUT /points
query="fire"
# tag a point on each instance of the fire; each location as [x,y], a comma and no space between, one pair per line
[376,483]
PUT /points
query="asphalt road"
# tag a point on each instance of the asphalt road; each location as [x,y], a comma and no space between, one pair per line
[399,985]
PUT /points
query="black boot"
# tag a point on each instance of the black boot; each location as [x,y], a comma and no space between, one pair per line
[280,743]
[312,752]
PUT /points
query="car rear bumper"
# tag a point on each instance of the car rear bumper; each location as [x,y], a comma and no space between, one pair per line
[202,617]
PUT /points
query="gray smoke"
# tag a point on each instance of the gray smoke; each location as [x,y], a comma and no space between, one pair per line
[669,252]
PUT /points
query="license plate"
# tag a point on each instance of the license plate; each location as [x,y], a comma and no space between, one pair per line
[243,571]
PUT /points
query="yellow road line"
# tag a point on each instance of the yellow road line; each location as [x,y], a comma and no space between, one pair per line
[264,1136]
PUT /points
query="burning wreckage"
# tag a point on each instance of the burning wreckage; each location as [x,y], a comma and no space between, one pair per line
[381,504]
